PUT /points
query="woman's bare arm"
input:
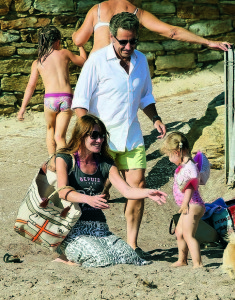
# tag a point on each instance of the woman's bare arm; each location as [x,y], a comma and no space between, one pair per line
[152,23]
[82,35]
[134,193]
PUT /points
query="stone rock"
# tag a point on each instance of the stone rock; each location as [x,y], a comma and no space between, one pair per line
[8,100]
[172,45]
[228,9]
[7,110]
[150,56]
[39,107]
[27,51]
[207,28]
[147,35]
[6,37]
[180,61]
[149,47]
[4,6]
[163,7]
[73,79]
[37,99]
[54,6]
[18,83]
[15,66]
[7,50]
[209,132]
[25,23]
[64,20]
[207,1]
[84,5]
[21,5]
[67,33]
[191,10]
[210,55]
[24,45]
[175,21]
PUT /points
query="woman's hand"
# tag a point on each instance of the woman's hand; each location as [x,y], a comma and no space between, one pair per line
[98,201]
[157,196]
[184,209]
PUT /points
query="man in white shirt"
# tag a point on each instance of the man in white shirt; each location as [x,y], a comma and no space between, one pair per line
[114,83]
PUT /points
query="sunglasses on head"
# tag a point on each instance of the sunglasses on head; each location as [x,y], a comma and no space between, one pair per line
[96,134]
[125,42]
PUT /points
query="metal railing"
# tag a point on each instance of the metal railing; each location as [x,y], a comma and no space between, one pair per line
[229,72]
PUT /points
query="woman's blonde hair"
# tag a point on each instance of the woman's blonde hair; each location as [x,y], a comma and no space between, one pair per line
[84,127]
[175,141]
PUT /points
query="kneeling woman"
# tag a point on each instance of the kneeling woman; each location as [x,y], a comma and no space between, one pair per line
[90,242]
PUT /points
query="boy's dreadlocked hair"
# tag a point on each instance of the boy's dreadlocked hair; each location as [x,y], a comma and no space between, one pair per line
[46,38]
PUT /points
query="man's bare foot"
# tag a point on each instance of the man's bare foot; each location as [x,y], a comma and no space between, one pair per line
[179,264]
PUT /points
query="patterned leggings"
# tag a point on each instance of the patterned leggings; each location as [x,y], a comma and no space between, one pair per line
[91,244]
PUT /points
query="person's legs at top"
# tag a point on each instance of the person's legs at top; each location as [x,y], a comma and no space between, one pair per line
[190,223]
[182,246]
[50,117]
[62,123]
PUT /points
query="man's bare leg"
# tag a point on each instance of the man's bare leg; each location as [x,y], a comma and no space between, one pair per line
[134,208]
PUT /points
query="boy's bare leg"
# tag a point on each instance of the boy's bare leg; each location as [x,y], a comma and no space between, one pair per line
[62,123]
[50,117]
[134,208]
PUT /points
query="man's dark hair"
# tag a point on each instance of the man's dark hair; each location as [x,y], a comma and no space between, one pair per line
[124,20]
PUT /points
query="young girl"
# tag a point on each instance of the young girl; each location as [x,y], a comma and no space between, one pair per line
[53,66]
[185,190]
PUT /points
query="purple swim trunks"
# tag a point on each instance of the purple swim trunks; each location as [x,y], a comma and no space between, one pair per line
[58,101]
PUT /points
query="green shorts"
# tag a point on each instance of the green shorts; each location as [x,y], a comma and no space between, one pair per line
[128,160]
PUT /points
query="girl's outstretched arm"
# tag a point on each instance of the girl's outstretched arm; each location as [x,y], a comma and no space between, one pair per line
[152,23]
[82,35]
[29,90]
[134,193]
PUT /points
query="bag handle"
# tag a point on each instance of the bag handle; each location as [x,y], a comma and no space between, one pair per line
[170,227]
[45,201]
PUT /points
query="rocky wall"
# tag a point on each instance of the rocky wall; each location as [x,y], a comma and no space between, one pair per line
[21,19]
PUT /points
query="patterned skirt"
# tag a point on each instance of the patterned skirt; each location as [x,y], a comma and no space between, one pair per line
[91,244]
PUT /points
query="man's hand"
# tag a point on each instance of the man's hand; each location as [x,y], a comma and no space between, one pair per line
[161,128]
[219,45]
[157,196]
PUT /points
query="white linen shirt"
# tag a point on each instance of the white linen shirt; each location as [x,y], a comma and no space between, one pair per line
[108,92]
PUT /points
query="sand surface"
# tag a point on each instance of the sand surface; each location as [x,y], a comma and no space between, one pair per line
[23,149]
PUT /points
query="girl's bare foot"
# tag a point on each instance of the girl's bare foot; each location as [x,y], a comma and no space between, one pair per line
[198,266]
[179,264]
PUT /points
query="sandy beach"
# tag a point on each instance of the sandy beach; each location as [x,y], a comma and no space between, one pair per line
[23,150]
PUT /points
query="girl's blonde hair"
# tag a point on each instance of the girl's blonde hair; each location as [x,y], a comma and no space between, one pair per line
[175,141]
[84,127]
